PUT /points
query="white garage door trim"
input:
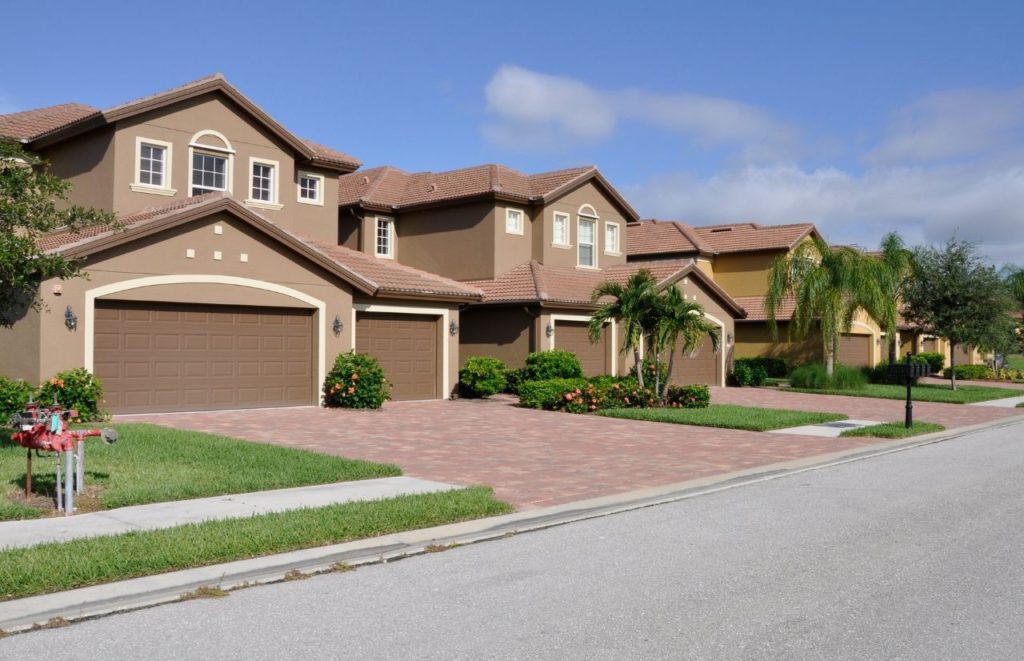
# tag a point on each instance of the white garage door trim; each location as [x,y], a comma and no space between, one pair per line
[555,318]
[408,309]
[104,290]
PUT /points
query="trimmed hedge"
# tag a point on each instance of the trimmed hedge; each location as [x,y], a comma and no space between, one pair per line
[747,374]
[356,382]
[689,397]
[554,364]
[513,379]
[979,372]
[935,359]
[482,376]
[775,368]
[583,395]
[813,376]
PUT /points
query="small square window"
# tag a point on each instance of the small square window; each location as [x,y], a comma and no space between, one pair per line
[263,182]
[513,221]
[385,239]
[309,188]
[560,231]
[152,159]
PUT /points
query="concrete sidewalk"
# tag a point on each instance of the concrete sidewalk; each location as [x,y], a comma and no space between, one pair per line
[19,534]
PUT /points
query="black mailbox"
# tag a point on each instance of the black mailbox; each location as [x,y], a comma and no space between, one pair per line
[909,370]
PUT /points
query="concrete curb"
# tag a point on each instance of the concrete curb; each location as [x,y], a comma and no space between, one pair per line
[84,603]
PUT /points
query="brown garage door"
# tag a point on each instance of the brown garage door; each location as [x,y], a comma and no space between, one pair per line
[572,336]
[855,350]
[963,355]
[406,346]
[929,345]
[701,368]
[178,357]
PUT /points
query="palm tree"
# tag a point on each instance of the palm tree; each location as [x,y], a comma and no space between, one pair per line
[631,306]
[828,285]
[895,268]
[680,321]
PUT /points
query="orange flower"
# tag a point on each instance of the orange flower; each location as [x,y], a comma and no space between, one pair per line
[568,396]
[355,376]
[351,389]
[53,381]
[60,383]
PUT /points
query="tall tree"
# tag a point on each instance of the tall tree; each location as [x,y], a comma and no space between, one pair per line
[895,269]
[33,202]
[954,295]
[680,325]
[828,285]
[631,306]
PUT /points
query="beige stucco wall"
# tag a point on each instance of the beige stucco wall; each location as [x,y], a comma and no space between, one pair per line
[753,339]
[570,203]
[511,249]
[744,274]
[19,358]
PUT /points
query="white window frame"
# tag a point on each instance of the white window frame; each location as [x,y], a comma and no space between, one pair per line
[556,216]
[617,251]
[275,178]
[320,181]
[579,241]
[390,254]
[140,187]
[226,152]
[509,212]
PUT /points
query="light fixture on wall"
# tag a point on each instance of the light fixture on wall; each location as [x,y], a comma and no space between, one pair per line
[729,339]
[70,319]
[549,330]
[337,326]
[453,328]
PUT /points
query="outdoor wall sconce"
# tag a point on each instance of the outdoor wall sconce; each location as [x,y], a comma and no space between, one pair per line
[337,326]
[70,319]
[453,328]
[729,339]
[549,330]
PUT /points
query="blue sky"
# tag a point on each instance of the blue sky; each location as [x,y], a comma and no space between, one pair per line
[861,117]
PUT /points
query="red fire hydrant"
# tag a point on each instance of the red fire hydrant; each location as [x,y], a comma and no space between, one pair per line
[45,429]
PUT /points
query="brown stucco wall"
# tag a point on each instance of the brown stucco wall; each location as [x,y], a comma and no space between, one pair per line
[504,333]
[694,291]
[744,274]
[19,358]
[511,249]
[87,163]
[570,203]
[456,241]
[753,339]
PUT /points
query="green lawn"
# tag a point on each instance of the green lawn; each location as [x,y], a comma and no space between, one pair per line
[1015,361]
[922,393]
[894,430]
[728,416]
[62,566]
[152,464]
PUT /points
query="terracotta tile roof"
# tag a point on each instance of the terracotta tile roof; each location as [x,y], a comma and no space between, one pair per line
[756,311]
[328,155]
[376,276]
[393,188]
[747,237]
[660,237]
[27,124]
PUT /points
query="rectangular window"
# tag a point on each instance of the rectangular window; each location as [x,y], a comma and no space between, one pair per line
[152,159]
[513,221]
[385,237]
[309,188]
[263,182]
[209,173]
[611,238]
[560,233]
[585,254]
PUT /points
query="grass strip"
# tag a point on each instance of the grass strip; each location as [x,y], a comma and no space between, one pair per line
[895,430]
[57,566]
[728,416]
[152,464]
[922,393]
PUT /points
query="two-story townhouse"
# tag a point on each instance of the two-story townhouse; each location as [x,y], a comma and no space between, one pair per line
[226,286]
[537,245]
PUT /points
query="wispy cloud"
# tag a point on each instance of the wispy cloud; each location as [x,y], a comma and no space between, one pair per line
[531,109]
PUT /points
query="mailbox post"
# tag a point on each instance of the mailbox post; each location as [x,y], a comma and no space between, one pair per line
[909,371]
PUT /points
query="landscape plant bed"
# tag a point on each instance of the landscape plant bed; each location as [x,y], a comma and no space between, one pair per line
[922,393]
[58,566]
[895,430]
[728,416]
[151,464]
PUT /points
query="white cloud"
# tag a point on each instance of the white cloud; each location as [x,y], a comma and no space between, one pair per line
[533,109]
[925,204]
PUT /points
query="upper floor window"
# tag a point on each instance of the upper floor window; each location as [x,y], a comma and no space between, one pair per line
[560,230]
[385,237]
[209,173]
[152,167]
[311,188]
[611,239]
[263,183]
[585,255]
[513,221]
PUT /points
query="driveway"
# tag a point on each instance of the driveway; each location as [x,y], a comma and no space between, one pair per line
[531,458]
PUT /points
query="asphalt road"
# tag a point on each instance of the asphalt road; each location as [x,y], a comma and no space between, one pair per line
[913,555]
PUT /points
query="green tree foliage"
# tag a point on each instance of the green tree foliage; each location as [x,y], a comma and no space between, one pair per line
[828,285]
[630,305]
[33,204]
[895,269]
[954,295]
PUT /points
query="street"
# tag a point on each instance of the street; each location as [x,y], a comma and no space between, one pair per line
[914,555]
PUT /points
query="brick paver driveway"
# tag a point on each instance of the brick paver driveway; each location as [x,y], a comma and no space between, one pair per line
[531,458]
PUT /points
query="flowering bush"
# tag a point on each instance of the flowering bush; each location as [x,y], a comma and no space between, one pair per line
[76,389]
[689,397]
[356,382]
[583,396]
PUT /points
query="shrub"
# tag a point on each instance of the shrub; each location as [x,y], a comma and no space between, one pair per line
[775,368]
[75,389]
[548,393]
[356,382]
[746,374]
[689,397]
[935,359]
[13,397]
[554,364]
[649,367]
[482,376]
[513,379]
[880,372]
[623,393]
[982,372]
[583,396]
[813,376]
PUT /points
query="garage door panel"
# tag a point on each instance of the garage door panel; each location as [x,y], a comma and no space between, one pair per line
[855,350]
[406,347]
[702,368]
[593,356]
[186,357]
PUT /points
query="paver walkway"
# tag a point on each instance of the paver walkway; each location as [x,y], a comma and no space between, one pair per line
[534,458]
[14,534]
[931,380]
[825,429]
